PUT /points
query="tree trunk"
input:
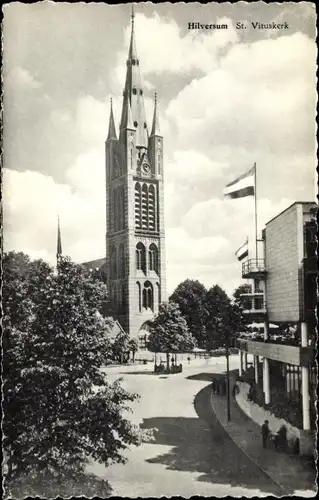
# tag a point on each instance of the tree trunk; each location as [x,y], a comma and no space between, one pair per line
[167,361]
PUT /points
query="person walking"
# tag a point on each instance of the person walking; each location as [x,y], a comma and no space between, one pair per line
[265,431]
[235,389]
[213,386]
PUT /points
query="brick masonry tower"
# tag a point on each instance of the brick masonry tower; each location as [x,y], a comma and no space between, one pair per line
[135,240]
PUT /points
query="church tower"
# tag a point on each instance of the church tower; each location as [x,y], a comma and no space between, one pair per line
[135,240]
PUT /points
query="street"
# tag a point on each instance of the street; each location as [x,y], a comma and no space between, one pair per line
[192,454]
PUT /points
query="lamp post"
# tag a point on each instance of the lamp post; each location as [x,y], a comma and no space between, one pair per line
[227,375]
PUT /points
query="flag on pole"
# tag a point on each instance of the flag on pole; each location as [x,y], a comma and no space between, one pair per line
[242,252]
[242,186]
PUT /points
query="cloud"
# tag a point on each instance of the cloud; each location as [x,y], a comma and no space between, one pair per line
[193,51]
[32,202]
[224,104]
[234,218]
[22,78]
[257,98]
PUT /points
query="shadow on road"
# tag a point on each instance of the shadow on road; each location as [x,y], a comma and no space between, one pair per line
[145,372]
[210,376]
[202,445]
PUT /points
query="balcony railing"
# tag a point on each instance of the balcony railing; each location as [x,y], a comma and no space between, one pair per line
[251,295]
[261,310]
[253,267]
[300,356]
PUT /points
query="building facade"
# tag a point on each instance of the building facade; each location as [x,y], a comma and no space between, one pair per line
[284,292]
[135,239]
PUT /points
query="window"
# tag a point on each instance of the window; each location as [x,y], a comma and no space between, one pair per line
[138,205]
[148,296]
[123,301]
[140,257]
[159,296]
[121,261]
[135,124]
[153,258]
[151,208]
[133,62]
[134,91]
[141,92]
[113,263]
[139,296]
[145,207]
[118,209]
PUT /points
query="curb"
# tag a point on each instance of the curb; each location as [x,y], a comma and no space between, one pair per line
[285,492]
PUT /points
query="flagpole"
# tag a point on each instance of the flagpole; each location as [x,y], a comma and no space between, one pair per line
[255,196]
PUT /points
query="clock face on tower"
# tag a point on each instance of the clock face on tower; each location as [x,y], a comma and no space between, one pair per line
[146,168]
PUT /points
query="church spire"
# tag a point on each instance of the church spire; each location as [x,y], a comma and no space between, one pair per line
[133,91]
[127,120]
[59,242]
[112,132]
[155,126]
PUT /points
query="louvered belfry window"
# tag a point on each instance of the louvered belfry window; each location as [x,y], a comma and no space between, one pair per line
[145,207]
[151,208]
[138,208]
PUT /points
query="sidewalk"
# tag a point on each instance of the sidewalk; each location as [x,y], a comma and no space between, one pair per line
[290,472]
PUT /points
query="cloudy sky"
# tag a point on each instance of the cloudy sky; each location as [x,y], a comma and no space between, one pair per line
[227,99]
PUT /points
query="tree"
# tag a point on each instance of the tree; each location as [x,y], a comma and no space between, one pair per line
[223,318]
[242,301]
[121,347]
[59,408]
[169,332]
[133,346]
[190,296]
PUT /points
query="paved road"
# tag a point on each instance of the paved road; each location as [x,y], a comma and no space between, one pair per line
[192,453]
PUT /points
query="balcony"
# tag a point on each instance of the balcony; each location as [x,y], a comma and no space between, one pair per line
[251,295]
[254,314]
[254,269]
[299,356]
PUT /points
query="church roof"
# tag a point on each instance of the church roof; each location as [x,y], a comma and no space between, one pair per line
[112,131]
[155,125]
[59,240]
[95,264]
[133,95]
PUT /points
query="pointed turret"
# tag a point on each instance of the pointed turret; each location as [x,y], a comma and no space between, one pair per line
[155,126]
[126,120]
[59,242]
[112,131]
[133,91]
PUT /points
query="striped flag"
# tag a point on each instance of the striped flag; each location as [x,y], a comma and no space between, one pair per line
[242,186]
[242,252]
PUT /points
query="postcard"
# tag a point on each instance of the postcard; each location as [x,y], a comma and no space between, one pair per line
[159,249]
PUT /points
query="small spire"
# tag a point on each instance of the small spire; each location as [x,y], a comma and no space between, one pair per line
[126,120]
[155,126]
[112,132]
[59,241]
[133,16]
